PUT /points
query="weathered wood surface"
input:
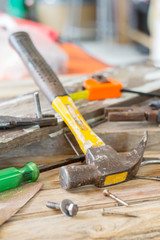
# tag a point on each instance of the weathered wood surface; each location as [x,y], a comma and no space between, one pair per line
[12,200]
[140,76]
[122,136]
[36,221]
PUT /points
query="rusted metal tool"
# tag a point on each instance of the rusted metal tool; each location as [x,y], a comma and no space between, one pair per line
[104,165]
[9,122]
[144,113]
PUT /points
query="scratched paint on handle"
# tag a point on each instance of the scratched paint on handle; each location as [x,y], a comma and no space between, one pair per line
[84,135]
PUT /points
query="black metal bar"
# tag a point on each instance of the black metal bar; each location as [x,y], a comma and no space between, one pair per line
[44,168]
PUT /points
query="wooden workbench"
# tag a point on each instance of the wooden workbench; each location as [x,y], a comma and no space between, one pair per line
[36,221]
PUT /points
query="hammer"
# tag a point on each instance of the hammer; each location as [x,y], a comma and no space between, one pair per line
[104,165]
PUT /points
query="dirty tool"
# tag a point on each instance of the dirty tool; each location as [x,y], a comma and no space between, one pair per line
[13,177]
[9,122]
[107,193]
[67,207]
[104,165]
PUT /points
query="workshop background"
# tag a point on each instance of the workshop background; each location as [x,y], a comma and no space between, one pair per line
[111,31]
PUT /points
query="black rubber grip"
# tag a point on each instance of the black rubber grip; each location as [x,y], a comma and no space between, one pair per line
[41,72]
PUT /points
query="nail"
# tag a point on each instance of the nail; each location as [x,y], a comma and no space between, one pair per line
[38,105]
[105,213]
[109,194]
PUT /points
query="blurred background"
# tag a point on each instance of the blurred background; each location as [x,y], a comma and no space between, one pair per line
[113,31]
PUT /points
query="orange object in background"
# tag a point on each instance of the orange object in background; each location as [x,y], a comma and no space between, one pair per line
[64,58]
[111,88]
[79,61]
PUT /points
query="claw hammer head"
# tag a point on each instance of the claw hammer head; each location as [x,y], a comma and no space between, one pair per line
[104,166]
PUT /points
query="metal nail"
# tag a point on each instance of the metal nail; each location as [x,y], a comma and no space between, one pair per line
[38,105]
[106,213]
[157,178]
[71,144]
[109,194]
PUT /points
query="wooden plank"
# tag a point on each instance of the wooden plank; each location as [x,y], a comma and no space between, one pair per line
[36,221]
[122,136]
[13,139]
[83,227]
[147,80]
[14,199]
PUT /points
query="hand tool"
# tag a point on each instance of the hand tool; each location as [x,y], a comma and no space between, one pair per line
[67,207]
[9,122]
[12,200]
[107,193]
[108,212]
[104,165]
[12,177]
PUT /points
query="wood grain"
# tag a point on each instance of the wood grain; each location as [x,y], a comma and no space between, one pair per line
[12,200]
[141,76]
[36,221]
[122,136]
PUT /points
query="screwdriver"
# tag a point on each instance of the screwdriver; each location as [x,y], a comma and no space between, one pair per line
[12,177]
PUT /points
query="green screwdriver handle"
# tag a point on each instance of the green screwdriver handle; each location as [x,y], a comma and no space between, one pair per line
[12,177]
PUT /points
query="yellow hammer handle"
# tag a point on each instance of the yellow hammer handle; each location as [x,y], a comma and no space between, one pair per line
[52,88]
[84,135]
